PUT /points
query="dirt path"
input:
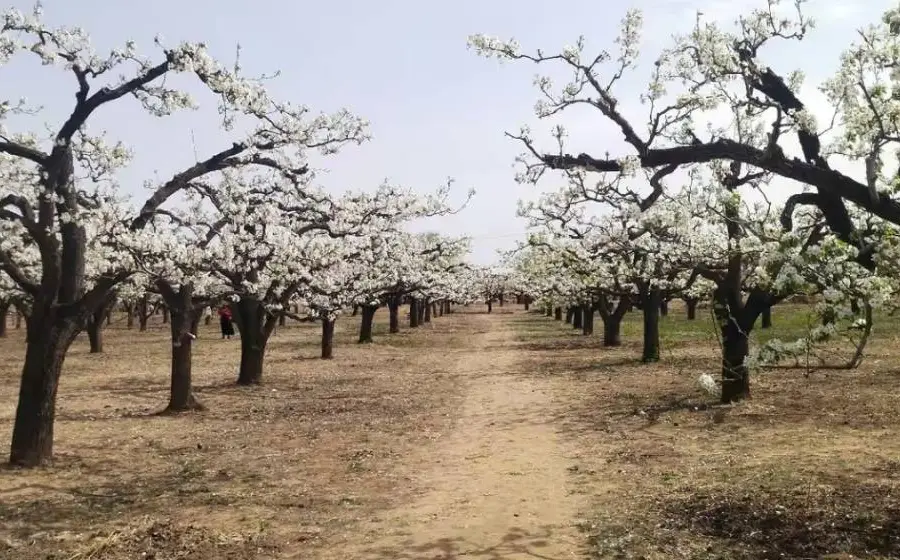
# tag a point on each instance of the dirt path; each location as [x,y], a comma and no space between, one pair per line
[496,485]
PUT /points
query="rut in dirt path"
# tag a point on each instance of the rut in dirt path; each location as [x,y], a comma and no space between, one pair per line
[496,485]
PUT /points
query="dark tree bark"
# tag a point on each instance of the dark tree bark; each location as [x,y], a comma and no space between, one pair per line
[447,308]
[558,314]
[527,303]
[185,320]
[587,319]
[612,319]
[366,324]
[165,315]
[145,311]
[255,326]
[426,312]
[46,348]
[95,324]
[394,315]
[502,299]
[570,315]
[766,319]
[736,321]
[355,311]
[19,317]
[650,309]
[691,306]
[577,317]
[664,308]
[413,313]
[490,305]
[327,338]
[129,316]
[4,314]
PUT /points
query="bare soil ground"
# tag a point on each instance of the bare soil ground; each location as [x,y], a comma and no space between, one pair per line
[267,472]
[502,436]
[809,468]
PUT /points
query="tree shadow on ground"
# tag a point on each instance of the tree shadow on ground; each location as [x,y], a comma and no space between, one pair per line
[517,543]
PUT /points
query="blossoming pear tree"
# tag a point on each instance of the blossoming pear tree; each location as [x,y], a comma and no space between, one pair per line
[52,210]
[717,69]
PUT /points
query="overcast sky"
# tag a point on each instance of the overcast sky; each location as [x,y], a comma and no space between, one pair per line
[437,109]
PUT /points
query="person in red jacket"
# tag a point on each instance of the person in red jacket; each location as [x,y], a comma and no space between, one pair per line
[225,322]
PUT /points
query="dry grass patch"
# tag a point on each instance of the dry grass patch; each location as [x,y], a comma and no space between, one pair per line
[269,471]
[809,468]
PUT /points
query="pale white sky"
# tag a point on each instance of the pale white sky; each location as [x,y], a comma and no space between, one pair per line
[437,110]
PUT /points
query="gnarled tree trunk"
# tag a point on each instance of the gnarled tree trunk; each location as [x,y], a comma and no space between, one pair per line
[48,340]
[366,324]
[650,309]
[95,324]
[587,319]
[327,338]
[393,316]
[256,326]
[413,313]
[691,306]
[185,320]
[612,319]
[577,317]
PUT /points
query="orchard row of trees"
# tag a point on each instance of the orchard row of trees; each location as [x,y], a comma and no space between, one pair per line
[245,225]
[689,210]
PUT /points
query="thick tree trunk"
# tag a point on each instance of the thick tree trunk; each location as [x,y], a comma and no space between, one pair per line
[413,313]
[735,375]
[184,326]
[490,305]
[129,317]
[558,314]
[255,326]
[587,319]
[447,308]
[4,314]
[49,339]
[502,299]
[527,303]
[577,317]
[691,305]
[426,312]
[143,313]
[393,317]
[651,326]
[664,308]
[766,318]
[612,330]
[366,324]
[570,315]
[19,316]
[355,311]
[95,324]
[327,339]
[95,336]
